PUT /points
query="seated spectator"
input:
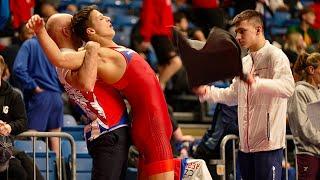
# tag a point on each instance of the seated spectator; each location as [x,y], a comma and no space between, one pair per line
[294,45]
[310,35]
[10,52]
[225,121]
[306,135]
[182,24]
[178,138]
[297,69]
[14,164]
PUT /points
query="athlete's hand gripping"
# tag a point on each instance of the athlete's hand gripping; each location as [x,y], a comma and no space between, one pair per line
[91,45]
[36,23]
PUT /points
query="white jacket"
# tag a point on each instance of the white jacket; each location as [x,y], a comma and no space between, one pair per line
[261,107]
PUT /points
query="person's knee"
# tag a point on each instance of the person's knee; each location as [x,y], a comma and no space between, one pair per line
[176,62]
[16,170]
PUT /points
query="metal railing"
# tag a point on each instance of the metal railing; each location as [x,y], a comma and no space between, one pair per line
[46,135]
[221,163]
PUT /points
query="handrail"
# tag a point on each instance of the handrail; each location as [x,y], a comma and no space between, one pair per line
[221,169]
[35,135]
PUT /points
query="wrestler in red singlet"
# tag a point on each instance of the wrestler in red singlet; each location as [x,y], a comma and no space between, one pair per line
[151,126]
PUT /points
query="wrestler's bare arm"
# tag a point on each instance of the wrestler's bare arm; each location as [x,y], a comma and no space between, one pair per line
[72,60]
[85,77]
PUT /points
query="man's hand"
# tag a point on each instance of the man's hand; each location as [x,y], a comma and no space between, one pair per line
[5,129]
[91,45]
[36,23]
[38,90]
[250,78]
[200,90]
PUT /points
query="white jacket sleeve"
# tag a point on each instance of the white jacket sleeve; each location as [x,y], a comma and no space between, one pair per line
[282,82]
[228,96]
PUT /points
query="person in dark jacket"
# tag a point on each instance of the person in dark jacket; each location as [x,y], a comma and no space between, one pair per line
[225,121]
[13,118]
[13,121]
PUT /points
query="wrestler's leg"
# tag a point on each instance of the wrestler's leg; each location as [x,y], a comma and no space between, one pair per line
[156,158]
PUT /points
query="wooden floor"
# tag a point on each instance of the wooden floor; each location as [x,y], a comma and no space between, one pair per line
[196,130]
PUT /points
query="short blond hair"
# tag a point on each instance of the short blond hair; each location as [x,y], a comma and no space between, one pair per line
[250,15]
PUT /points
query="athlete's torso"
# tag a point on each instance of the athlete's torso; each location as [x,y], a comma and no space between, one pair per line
[140,86]
[104,102]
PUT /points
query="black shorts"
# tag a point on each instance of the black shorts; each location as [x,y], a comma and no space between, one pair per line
[109,154]
[163,48]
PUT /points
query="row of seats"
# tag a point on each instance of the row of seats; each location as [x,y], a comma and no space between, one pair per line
[104,4]
[83,159]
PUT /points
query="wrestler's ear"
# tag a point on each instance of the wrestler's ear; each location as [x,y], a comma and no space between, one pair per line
[90,31]
[66,31]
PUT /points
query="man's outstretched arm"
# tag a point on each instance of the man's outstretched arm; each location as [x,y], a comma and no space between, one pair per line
[71,61]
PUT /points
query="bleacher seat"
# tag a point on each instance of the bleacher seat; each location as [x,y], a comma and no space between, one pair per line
[40,155]
[69,120]
[132,173]
[83,161]
[82,3]
[124,20]
[75,131]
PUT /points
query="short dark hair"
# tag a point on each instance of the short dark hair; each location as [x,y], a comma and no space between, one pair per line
[80,22]
[304,11]
[178,16]
[248,15]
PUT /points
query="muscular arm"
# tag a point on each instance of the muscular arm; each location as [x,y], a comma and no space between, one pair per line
[85,77]
[71,60]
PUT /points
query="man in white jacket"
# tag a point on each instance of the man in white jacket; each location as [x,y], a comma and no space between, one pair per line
[261,100]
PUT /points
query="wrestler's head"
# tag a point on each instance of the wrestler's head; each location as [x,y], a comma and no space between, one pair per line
[90,24]
[249,28]
[59,29]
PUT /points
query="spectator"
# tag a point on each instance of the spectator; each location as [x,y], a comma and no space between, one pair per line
[207,14]
[297,69]
[224,122]
[156,23]
[10,52]
[306,135]
[310,35]
[294,45]
[182,24]
[261,100]
[41,89]
[13,121]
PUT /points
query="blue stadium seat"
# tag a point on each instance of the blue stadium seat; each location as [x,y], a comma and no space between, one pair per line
[75,131]
[69,120]
[124,20]
[40,155]
[132,173]
[81,3]
[83,161]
